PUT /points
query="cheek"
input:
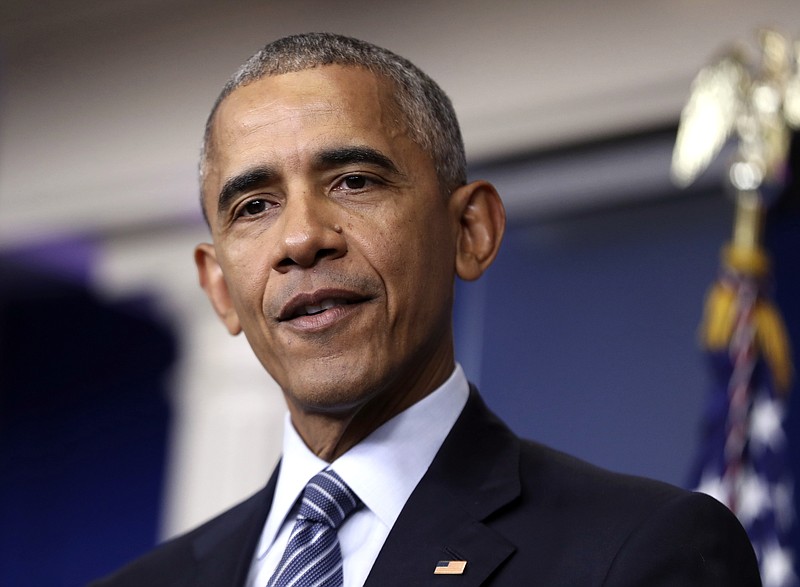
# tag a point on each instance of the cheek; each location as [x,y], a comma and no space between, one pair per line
[246,275]
[395,246]
[414,255]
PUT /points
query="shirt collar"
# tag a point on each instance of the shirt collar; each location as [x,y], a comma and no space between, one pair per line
[384,468]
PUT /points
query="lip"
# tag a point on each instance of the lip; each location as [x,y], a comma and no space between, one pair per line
[332,305]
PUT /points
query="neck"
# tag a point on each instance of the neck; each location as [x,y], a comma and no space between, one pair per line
[330,434]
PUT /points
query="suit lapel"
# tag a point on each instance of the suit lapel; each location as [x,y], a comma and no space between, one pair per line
[475,473]
[225,552]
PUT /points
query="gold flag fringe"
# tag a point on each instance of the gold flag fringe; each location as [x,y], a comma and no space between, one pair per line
[722,310]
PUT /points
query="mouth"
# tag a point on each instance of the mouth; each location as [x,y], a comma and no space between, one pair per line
[314,309]
[317,304]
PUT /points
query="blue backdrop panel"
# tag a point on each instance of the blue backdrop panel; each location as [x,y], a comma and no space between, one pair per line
[589,328]
[83,423]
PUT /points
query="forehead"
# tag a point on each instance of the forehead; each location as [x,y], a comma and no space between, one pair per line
[299,109]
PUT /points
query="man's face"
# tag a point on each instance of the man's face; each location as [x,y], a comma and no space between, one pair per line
[334,249]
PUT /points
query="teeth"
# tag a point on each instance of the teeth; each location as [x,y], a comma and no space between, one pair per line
[324,305]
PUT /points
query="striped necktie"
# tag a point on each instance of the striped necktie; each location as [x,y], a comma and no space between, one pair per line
[312,557]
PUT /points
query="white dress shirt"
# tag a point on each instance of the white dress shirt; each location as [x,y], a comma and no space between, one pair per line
[383,470]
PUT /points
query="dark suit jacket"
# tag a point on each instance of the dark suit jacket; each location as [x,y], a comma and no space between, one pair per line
[519,514]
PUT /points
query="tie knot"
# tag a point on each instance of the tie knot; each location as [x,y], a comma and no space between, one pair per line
[327,499]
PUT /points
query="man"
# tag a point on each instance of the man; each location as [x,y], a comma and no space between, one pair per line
[333,182]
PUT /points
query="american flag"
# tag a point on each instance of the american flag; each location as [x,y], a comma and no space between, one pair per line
[450,568]
[742,461]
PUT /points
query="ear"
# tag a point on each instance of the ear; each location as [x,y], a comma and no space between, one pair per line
[213,283]
[482,224]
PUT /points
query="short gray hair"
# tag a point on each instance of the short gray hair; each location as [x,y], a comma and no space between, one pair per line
[427,110]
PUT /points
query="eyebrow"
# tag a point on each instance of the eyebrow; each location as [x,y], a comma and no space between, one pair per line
[250,179]
[347,155]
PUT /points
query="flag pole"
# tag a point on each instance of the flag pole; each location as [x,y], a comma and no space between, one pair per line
[743,460]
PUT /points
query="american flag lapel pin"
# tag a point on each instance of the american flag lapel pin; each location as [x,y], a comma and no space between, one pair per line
[450,568]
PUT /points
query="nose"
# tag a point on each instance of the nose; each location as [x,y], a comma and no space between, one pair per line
[308,233]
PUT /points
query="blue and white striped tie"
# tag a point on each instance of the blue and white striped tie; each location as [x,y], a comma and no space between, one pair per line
[313,557]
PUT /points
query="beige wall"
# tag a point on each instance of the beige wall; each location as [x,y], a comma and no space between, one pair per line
[103,102]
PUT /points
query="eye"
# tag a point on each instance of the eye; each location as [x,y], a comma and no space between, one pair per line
[355,182]
[253,207]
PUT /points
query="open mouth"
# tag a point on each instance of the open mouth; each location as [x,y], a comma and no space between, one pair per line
[314,309]
[318,303]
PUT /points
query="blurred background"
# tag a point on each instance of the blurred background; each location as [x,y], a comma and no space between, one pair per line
[127,414]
